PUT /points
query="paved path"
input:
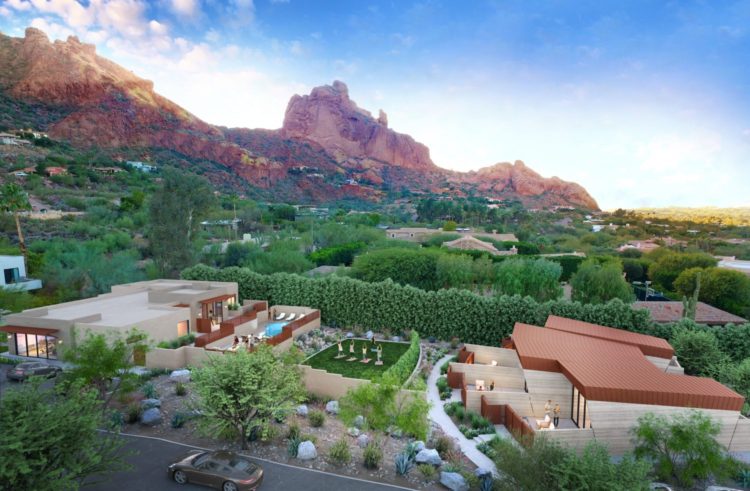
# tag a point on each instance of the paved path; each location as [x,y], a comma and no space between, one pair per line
[155,454]
[468,447]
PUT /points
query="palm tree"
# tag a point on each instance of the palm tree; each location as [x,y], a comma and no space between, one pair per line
[13,199]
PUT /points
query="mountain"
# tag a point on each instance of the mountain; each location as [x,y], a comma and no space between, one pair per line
[328,148]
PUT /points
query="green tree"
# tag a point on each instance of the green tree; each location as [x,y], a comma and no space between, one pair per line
[14,200]
[599,283]
[697,350]
[175,212]
[668,266]
[454,270]
[449,226]
[682,446]
[723,288]
[53,442]
[595,471]
[243,393]
[405,266]
[103,362]
[536,278]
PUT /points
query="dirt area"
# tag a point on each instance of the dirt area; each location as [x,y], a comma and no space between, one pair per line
[276,448]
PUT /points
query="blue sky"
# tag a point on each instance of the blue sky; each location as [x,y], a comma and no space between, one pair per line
[644,103]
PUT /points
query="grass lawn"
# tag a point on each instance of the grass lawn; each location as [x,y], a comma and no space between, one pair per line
[324,360]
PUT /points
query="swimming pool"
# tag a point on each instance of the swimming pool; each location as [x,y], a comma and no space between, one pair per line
[274,328]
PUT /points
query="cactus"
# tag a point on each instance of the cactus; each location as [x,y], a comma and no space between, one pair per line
[403,464]
[689,305]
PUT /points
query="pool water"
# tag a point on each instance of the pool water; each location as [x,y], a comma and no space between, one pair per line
[274,328]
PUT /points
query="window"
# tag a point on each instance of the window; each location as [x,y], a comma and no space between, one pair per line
[36,346]
[183,327]
[11,276]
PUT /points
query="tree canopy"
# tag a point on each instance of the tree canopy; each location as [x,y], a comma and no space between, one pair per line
[723,288]
[599,283]
[536,278]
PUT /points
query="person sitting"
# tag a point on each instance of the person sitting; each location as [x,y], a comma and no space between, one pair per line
[492,385]
[235,342]
[544,423]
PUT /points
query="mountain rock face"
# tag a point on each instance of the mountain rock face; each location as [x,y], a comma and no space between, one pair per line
[328,148]
[330,118]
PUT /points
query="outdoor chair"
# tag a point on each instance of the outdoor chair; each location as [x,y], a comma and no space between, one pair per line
[280,316]
[291,317]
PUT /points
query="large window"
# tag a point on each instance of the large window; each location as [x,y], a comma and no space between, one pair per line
[36,346]
[578,409]
[12,276]
[183,327]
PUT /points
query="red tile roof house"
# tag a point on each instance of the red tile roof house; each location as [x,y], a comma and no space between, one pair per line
[604,379]
[704,313]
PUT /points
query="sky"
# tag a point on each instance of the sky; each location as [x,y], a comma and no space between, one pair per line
[644,103]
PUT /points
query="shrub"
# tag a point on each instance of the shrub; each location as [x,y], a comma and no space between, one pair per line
[133,412]
[443,445]
[403,463]
[411,450]
[293,431]
[427,471]
[178,420]
[293,445]
[372,455]
[340,453]
[317,418]
[149,390]
[444,366]
[116,420]
[451,467]
[454,343]
[180,389]
[9,361]
[403,368]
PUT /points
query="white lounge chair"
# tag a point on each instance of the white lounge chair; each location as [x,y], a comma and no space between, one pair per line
[291,317]
[280,316]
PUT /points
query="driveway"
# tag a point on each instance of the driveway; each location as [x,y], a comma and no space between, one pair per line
[154,455]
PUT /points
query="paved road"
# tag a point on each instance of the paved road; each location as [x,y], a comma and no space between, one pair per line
[155,455]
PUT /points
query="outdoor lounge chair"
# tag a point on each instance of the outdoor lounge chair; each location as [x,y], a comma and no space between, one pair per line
[280,316]
[291,317]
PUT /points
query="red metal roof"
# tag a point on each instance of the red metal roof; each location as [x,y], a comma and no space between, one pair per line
[649,345]
[609,370]
[28,330]
[704,313]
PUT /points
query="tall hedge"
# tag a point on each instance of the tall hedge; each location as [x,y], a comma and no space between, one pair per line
[445,314]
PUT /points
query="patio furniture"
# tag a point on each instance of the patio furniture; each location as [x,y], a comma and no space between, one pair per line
[280,316]
[291,317]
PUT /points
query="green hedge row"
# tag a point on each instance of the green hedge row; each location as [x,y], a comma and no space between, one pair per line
[403,368]
[444,314]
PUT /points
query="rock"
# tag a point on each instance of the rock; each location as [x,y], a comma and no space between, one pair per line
[151,417]
[369,334]
[349,335]
[180,376]
[721,488]
[332,407]
[306,450]
[149,403]
[359,422]
[302,410]
[397,339]
[419,445]
[363,440]
[429,456]
[659,486]
[453,481]
[353,431]
[481,472]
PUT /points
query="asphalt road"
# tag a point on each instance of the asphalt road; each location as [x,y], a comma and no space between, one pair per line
[153,457]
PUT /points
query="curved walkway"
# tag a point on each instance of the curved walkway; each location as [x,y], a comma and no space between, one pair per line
[468,447]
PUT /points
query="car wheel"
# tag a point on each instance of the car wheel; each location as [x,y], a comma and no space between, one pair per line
[179,477]
[229,486]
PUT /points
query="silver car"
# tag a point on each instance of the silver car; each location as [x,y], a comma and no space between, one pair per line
[27,369]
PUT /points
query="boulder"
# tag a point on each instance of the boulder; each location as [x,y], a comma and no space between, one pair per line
[332,407]
[453,481]
[151,417]
[396,339]
[302,410]
[369,334]
[359,422]
[353,432]
[149,403]
[721,488]
[180,376]
[419,445]
[363,440]
[349,335]
[306,450]
[659,486]
[481,472]
[429,456]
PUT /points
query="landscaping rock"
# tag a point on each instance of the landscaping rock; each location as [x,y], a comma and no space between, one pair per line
[353,431]
[302,410]
[453,481]
[363,440]
[396,339]
[369,334]
[419,445]
[429,456]
[349,335]
[332,407]
[721,488]
[359,422]
[306,450]
[659,486]
[180,376]
[151,417]
[481,472]
[149,403]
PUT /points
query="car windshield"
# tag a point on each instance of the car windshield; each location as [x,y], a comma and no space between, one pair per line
[242,465]
[24,366]
[200,459]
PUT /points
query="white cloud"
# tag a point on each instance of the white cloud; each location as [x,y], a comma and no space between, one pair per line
[52,29]
[186,8]
[73,13]
[295,47]
[18,4]
[200,57]
[4,11]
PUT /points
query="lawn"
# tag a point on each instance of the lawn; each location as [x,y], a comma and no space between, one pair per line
[324,360]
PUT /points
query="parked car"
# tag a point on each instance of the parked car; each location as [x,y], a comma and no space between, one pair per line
[219,469]
[24,370]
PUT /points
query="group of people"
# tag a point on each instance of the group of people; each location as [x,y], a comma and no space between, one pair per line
[376,348]
[247,342]
[549,411]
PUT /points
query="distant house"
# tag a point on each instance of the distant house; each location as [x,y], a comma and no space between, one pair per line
[417,234]
[663,312]
[14,274]
[55,171]
[108,170]
[649,245]
[469,243]
[731,262]
[143,167]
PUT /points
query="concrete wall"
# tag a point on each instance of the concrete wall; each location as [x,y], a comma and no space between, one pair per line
[518,400]
[575,439]
[182,357]
[543,386]
[310,326]
[486,354]
[741,437]
[504,377]
[325,384]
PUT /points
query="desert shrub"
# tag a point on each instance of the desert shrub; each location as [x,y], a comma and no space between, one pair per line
[293,445]
[293,431]
[178,420]
[116,420]
[443,445]
[149,390]
[444,366]
[180,389]
[316,418]
[403,463]
[340,453]
[133,412]
[428,472]
[372,455]
[595,470]
[402,369]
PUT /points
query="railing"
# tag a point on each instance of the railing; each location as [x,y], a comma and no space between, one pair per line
[288,330]
[203,325]
[493,412]
[455,379]
[517,426]
[248,315]
[463,353]
[225,329]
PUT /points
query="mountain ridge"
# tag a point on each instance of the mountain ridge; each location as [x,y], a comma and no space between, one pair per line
[327,148]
